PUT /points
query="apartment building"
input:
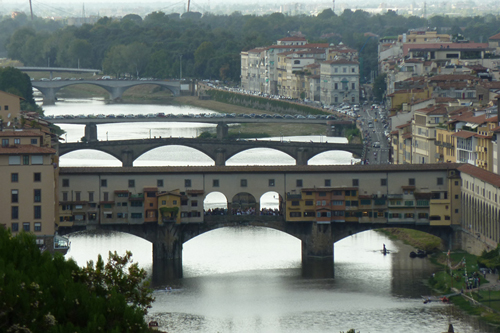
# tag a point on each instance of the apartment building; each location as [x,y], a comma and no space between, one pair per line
[424,127]
[339,82]
[10,107]
[29,176]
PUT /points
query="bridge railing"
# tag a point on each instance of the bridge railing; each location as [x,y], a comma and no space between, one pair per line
[242,219]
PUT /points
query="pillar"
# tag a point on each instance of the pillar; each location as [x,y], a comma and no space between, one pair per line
[319,242]
[167,249]
[222,130]
[49,96]
[127,158]
[91,132]
[220,157]
[302,156]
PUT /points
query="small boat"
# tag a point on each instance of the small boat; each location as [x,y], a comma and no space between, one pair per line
[419,254]
[153,325]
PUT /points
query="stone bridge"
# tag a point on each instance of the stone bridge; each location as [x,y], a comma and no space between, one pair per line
[317,239]
[127,151]
[116,88]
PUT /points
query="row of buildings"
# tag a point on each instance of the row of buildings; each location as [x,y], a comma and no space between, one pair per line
[442,96]
[296,69]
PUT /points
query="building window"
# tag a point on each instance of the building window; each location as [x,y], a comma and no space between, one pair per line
[336,86]
[78,196]
[194,203]
[104,183]
[14,160]
[187,182]
[328,182]
[440,181]
[37,195]
[411,181]
[91,196]
[37,212]
[17,141]
[26,160]
[14,177]
[353,70]
[5,142]
[14,196]
[37,159]
[456,210]
[65,182]
[271,182]
[298,183]
[105,196]
[14,212]
[34,141]
[383,182]
[131,183]
[309,203]
[355,182]
[243,183]
[26,226]
[37,177]
[38,226]
[15,227]
[353,86]
[215,183]
[159,182]
[65,196]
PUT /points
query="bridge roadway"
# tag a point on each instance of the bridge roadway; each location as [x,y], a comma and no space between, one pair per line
[116,88]
[127,151]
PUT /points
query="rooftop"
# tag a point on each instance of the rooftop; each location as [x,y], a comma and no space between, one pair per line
[482,174]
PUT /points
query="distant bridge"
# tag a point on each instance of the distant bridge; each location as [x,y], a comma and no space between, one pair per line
[334,126]
[127,151]
[116,88]
[58,69]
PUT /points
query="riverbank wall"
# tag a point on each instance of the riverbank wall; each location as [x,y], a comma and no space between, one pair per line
[473,243]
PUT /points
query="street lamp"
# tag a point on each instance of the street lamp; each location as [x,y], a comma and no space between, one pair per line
[180,67]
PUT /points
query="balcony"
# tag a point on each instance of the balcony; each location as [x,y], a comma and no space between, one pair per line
[395,196]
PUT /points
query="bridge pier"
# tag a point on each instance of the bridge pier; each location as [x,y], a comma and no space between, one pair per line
[318,242]
[49,96]
[302,156]
[91,132]
[127,158]
[220,157]
[222,131]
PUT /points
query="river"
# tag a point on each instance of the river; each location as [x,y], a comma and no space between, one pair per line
[248,279]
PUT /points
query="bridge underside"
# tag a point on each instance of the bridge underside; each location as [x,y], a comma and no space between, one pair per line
[317,239]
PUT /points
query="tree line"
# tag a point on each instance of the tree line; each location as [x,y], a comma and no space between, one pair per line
[207,46]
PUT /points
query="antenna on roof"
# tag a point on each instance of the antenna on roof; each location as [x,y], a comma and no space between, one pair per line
[31,10]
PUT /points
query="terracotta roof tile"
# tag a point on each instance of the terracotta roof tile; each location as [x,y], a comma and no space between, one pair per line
[495,37]
[19,133]
[258,169]
[341,62]
[25,149]
[482,174]
[464,134]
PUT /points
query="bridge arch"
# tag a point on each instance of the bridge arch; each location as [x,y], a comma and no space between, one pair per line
[175,154]
[271,203]
[244,203]
[152,83]
[272,156]
[100,157]
[215,203]
[329,157]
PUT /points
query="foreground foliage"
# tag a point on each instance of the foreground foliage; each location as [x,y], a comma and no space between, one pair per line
[44,293]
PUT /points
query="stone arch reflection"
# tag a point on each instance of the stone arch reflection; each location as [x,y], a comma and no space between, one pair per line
[244,203]
[215,203]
